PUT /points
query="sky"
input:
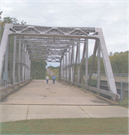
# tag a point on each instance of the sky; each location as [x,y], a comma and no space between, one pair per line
[110,15]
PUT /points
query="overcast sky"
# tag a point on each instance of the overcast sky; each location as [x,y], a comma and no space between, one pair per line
[110,15]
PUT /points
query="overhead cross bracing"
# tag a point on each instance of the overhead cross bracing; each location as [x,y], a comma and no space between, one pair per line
[57,44]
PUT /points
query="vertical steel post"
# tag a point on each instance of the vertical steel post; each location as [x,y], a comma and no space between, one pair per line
[63,67]
[78,62]
[5,75]
[86,66]
[23,62]
[29,67]
[72,62]
[26,64]
[25,56]
[107,64]
[98,70]
[66,66]
[121,91]
[60,71]
[69,64]
[14,59]
[19,62]
[82,63]
[3,45]
[75,64]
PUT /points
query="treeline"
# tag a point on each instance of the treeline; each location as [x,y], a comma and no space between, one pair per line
[119,63]
[38,69]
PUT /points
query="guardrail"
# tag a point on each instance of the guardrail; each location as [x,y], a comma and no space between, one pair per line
[112,95]
[4,92]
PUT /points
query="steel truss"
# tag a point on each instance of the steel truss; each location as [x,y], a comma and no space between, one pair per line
[55,44]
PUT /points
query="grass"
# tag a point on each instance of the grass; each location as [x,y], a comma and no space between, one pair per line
[124,103]
[67,126]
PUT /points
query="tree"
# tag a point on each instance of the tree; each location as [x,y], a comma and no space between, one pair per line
[9,20]
[38,69]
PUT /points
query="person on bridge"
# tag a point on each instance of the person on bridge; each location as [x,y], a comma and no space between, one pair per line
[53,78]
[47,78]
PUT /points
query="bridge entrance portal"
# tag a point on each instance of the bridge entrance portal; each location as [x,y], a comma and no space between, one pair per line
[55,44]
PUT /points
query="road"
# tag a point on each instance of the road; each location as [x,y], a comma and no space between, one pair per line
[49,72]
[39,100]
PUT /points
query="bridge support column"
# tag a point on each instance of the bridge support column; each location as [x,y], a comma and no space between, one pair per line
[66,66]
[23,54]
[29,67]
[14,59]
[107,64]
[86,66]
[63,67]
[19,63]
[74,75]
[4,43]
[78,62]
[72,62]
[60,71]
[98,70]
[5,74]
[26,68]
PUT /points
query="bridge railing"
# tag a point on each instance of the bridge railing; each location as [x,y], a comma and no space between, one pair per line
[107,93]
[4,92]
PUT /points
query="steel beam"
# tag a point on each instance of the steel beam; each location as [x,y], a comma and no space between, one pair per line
[14,59]
[19,60]
[75,64]
[5,75]
[69,68]
[98,69]
[82,63]
[3,45]
[107,64]
[86,66]
[78,62]
[72,62]
[66,65]
[23,61]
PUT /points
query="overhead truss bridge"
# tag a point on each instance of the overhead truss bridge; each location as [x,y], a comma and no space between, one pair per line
[56,44]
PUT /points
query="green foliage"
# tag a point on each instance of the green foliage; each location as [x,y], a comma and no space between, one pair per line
[124,103]
[9,20]
[51,67]
[93,83]
[119,63]
[38,69]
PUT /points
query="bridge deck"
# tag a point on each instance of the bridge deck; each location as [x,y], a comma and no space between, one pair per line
[38,92]
[39,100]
